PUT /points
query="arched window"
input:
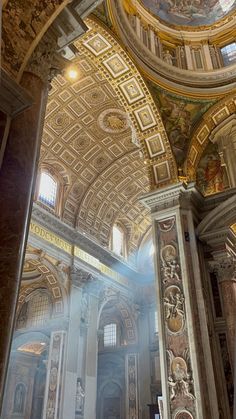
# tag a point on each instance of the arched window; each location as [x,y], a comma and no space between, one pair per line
[35,310]
[19,398]
[110,335]
[48,189]
[229,53]
[118,244]
[23,317]
[39,308]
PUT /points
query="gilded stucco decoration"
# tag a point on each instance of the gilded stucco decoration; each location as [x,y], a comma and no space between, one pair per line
[91,149]
[91,131]
[119,70]
[24,24]
[187,62]
[38,273]
[216,115]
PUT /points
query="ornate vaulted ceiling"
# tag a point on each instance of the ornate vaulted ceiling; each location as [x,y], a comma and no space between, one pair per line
[88,141]
[104,137]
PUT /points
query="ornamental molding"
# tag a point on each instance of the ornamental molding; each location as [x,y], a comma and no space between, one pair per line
[189,79]
[219,218]
[80,278]
[180,195]
[55,225]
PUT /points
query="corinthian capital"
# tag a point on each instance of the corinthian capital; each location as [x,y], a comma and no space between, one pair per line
[80,277]
[224,268]
[45,61]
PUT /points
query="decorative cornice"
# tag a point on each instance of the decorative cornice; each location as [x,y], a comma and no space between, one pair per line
[221,216]
[73,236]
[181,195]
[80,277]
[224,268]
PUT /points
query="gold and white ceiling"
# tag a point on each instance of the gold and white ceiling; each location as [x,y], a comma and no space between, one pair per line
[104,138]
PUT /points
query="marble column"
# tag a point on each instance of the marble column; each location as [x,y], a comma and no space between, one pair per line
[225,269]
[16,185]
[91,355]
[184,341]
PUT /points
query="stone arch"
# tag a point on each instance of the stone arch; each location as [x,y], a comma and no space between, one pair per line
[126,312]
[44,275]
[109,383]
[224,215]
[100,45]
[215,116]
[32,336]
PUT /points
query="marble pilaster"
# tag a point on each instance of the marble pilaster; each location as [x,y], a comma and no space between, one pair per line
[55,372]
[16,184]
[72,356]
[132,402]
[144,361]
[225,269]
[207,56]
[180,303]
[91,356]
[189,58]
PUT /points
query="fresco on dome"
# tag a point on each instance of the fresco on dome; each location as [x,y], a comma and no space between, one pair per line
[211,174]
[190,12]
[180,116]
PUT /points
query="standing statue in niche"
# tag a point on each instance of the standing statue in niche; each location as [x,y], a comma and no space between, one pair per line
[80,394]
[168,57]
[84,309]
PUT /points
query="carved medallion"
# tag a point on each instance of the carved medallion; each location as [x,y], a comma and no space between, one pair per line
[180,377]
[174,309]
[81,143]
[183,414]
[113,120]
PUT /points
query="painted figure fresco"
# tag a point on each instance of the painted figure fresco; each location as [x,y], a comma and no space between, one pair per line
[190,12]
[179,117]
[211,175]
